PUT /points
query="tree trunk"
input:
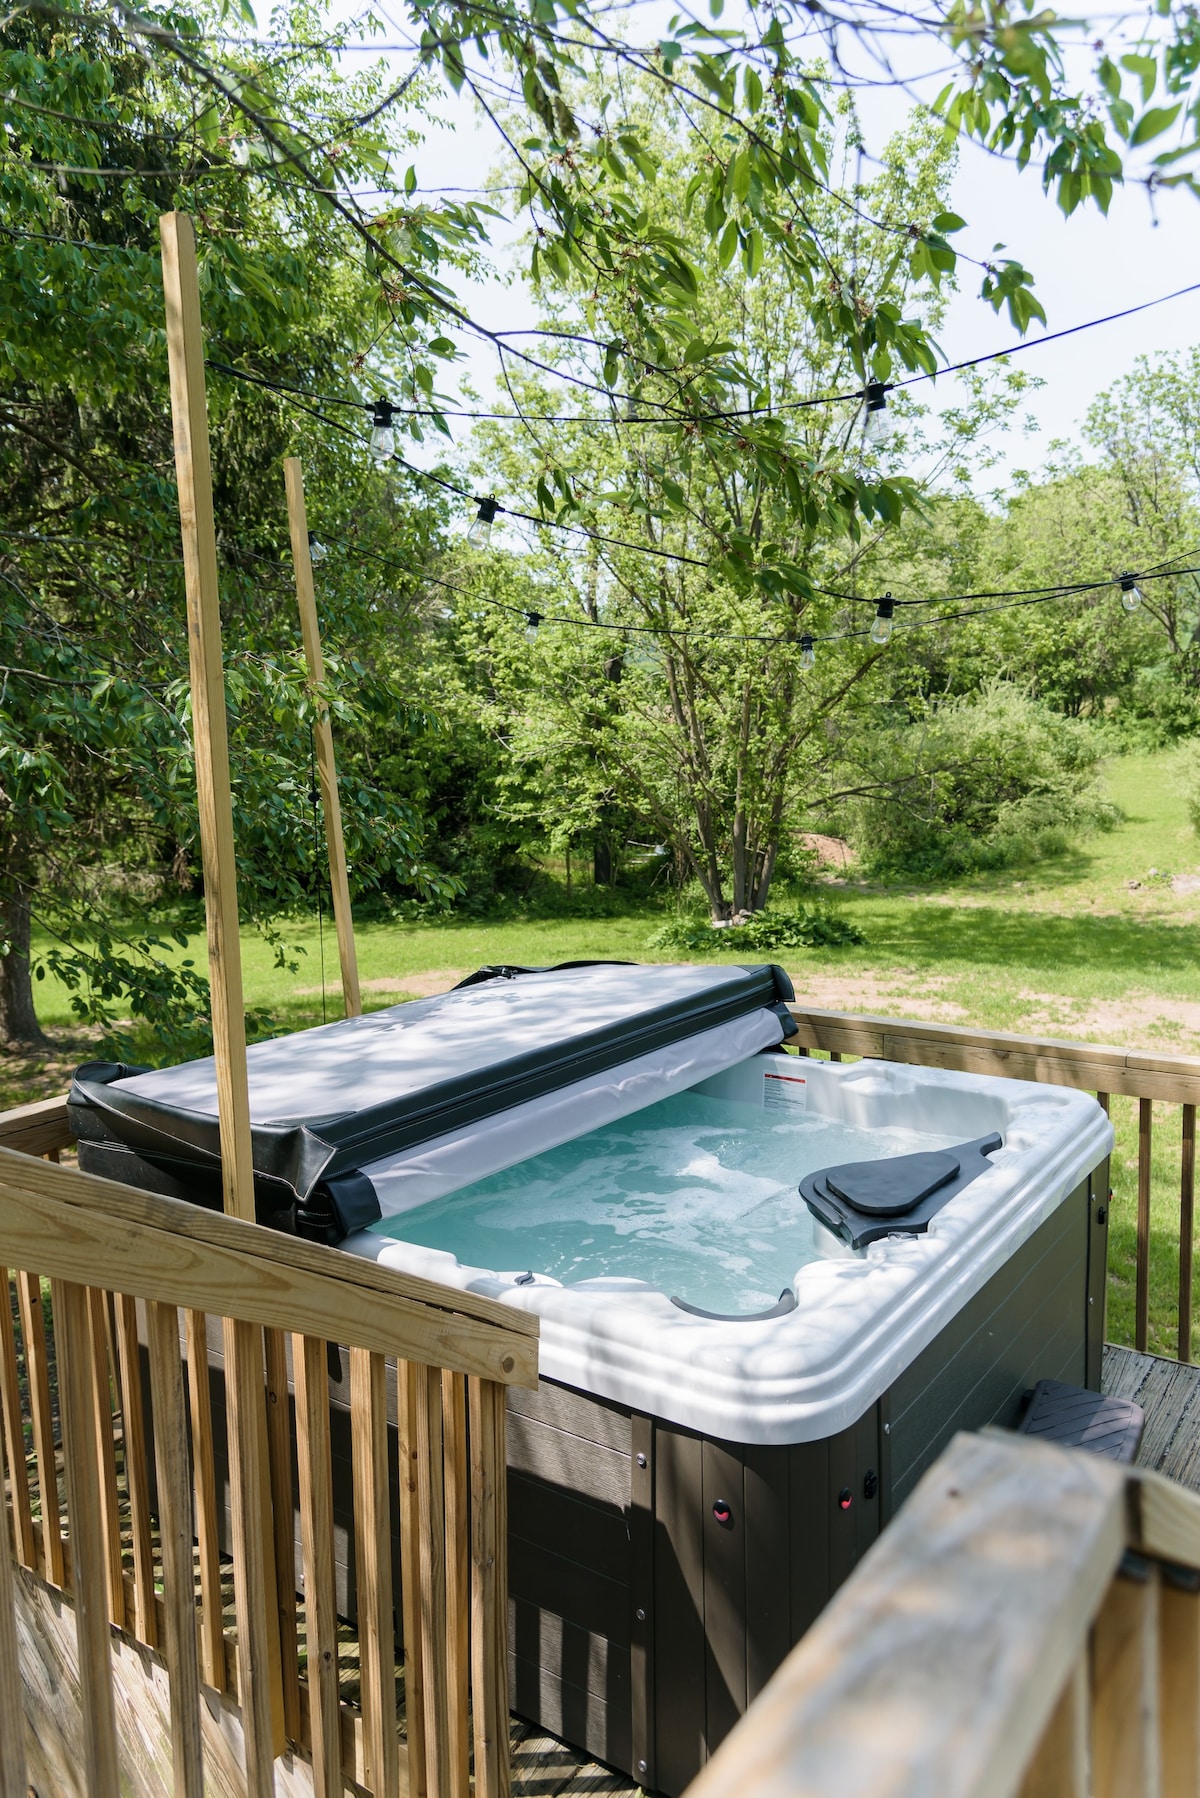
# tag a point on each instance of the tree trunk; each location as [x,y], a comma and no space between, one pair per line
[18,1019]
[765,874]
[602,859]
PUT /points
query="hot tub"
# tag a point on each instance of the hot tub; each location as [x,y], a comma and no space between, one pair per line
[735,1396]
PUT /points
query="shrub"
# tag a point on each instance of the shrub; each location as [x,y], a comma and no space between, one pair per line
[985,782]
[809,927]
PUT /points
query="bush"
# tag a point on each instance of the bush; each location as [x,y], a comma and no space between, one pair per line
[986,782]
[809,927]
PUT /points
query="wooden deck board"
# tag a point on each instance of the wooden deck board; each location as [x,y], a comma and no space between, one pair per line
[543,1767]
[1169,1393]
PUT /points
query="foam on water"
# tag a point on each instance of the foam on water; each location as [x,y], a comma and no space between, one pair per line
[696,1195]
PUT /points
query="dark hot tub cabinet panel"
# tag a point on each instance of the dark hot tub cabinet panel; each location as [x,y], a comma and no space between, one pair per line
[659,1576]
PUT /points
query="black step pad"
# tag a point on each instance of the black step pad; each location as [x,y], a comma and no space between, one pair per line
[1080,1419]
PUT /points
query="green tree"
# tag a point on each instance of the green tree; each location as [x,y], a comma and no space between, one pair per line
[94,743]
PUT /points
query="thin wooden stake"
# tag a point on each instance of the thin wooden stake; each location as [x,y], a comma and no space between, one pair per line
[323,735]
[185,357]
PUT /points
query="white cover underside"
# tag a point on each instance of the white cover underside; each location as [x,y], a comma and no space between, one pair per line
[433,1169]
[858,1321]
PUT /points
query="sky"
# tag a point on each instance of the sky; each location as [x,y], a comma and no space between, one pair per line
[1084,267]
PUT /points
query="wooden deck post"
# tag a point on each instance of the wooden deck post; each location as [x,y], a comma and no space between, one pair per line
[326,767]
[254,1557]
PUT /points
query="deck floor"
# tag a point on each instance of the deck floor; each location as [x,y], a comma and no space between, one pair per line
[1169,1394]
[545,1768]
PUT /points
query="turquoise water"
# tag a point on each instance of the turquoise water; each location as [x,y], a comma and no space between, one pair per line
[696,1195]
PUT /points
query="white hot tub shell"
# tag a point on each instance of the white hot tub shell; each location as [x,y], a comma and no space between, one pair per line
[685,1491]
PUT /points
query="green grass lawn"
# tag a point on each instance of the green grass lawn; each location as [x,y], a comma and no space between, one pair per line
[1068,947]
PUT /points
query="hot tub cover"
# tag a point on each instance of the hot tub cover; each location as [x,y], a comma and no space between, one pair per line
[326,1102]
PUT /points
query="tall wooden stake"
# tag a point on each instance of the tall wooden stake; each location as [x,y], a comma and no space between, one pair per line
[254,1547]
[326,768]
[185,354]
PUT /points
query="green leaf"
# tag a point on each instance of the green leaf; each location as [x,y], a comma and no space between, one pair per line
[1155,122]
[948,221]
[1145,68]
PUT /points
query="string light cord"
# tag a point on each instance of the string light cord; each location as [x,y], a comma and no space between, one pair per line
[694,416]
[1014,599]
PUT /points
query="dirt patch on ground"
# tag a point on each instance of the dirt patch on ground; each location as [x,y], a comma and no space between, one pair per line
[28,1075]
[831,852]
[422,985]
[1143,1022]
[885,995]
[418,986]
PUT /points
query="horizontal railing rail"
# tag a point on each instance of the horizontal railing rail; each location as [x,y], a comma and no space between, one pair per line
[1028,1624]
[1147,1076]
[112,1498]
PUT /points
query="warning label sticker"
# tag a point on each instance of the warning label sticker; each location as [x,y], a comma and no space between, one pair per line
[784,1092]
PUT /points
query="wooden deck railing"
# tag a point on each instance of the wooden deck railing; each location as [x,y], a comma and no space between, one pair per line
[1028,1624]
[1142,1075]
[121,1267]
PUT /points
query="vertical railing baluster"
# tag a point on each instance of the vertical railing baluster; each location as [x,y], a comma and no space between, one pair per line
[1187,1206]
[13,1772]
[283,1514]
[1059,1768]
[175,1524]
[1179,1681]
[133,1431]
[37,1375]
[431,1495]
[14,1430]
[212,1623]
[410,1577]
[107,1455]
[315,1466]
[253,1556]
[1126,1744]
[1141,1324]
[489,1587]
[89,1585]
[458,1593]
[373,1567]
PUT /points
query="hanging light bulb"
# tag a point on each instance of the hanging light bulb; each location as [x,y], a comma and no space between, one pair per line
[877,425]
[1131,593]
[383,437]
[317,551]
[479,535]
[881,630]
[808,654]
[532,620]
